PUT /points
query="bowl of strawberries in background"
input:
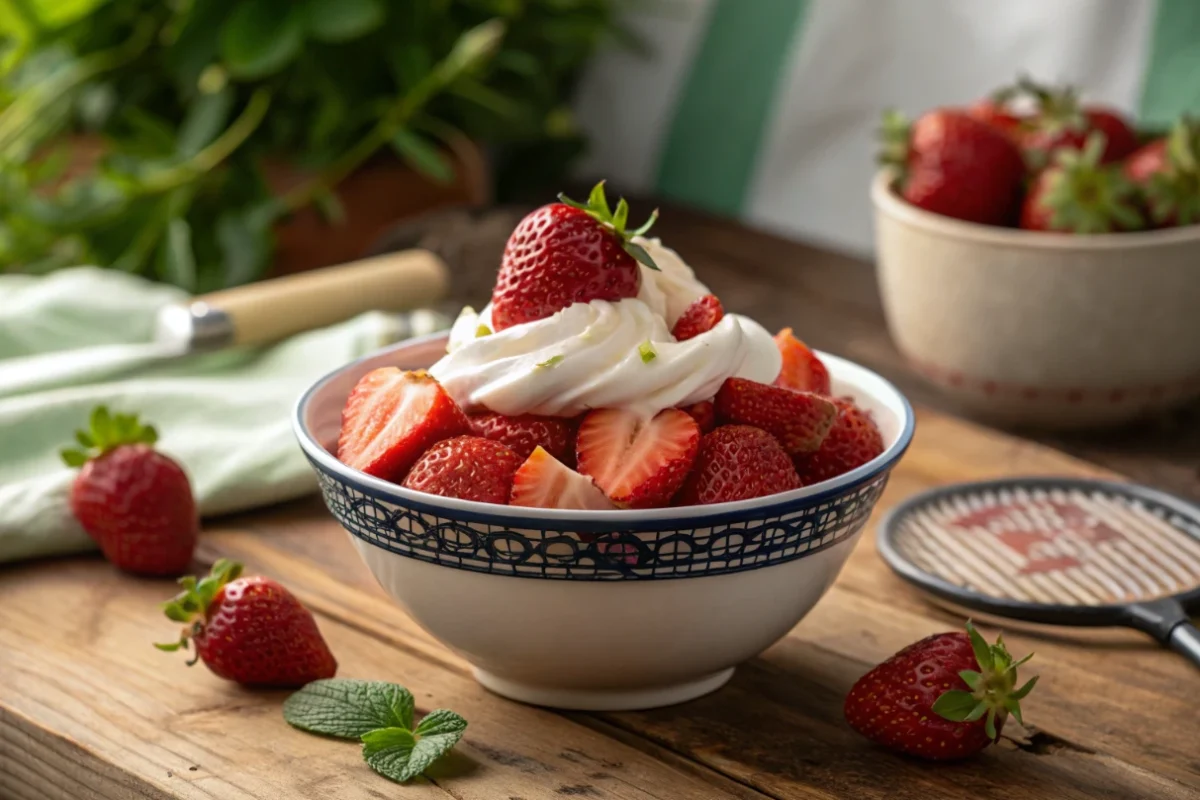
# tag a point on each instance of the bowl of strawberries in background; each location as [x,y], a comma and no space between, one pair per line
[603,491]
[1040,263]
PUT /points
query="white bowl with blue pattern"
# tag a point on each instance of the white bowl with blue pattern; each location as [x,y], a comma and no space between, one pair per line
[601,610]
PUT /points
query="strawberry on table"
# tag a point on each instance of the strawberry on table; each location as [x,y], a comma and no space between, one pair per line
[249,630]
[638,463]
[799,420]
[700,317]
[466,467]
[565,253]
[1078,194]
[737,462]
[527,432]
[853,440]
[802,370]
[950,163]
[704,413]
[944,697]
[1167,173]
[392,417]
[135,502]
[545,482]
[1060,122]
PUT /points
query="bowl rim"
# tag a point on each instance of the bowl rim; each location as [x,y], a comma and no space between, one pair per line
[887,201]
[624,519]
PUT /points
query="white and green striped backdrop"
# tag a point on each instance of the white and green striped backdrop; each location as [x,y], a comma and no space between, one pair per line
[766,109]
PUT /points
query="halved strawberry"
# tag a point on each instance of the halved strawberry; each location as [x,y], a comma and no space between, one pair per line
[700,317]
[704,413]
[853,440]
[799,420]
[466,467]
[737,462]
[802,370]
[639,463]
[391,418]
[527,432]
[545,482]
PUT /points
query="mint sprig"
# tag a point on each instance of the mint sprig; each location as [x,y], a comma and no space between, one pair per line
[598,209]
[379,714]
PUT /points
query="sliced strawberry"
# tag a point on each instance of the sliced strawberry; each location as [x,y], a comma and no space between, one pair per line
[704,413]
[527,432]
[700,317]
[638,463]
[466,467]
[799,420]
[391,418]
[802,370]
[545,482]
[737,462]
[853,440]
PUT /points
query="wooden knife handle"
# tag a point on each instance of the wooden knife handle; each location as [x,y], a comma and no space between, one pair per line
[281,307]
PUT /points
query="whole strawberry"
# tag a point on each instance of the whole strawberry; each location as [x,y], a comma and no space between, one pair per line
[565,253]
[527,432]
[944,697]
[799,420]
[853,440]
[952,164]
[466,467]
[737,462]
[1079,194]
[249,630]
[135,502]
[1167,174]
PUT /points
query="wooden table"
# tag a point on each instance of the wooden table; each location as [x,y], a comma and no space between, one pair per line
[88,709]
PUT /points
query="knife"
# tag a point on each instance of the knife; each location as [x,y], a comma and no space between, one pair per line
[254,315]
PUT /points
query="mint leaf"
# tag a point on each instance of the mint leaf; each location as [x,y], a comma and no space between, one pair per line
[349,709]
[400,755]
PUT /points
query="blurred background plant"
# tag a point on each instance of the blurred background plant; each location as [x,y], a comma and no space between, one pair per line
[133,133]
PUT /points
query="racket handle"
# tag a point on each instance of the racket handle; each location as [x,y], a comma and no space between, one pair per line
[1185,640]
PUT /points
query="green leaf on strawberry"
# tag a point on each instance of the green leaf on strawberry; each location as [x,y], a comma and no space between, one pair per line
[992,688]
[107,431]
[598,209]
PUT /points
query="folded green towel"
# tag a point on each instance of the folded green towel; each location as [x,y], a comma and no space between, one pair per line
[225,416]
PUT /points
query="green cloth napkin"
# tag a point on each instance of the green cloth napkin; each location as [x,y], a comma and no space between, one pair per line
[225,416]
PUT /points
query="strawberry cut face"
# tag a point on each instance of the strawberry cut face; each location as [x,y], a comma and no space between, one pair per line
[545,482]
[638,463]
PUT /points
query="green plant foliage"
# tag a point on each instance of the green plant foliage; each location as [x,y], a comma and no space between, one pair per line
[133,133]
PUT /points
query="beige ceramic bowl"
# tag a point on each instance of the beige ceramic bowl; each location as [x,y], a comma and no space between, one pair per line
[1041,329]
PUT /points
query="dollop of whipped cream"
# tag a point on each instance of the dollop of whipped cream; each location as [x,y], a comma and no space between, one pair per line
[605,355]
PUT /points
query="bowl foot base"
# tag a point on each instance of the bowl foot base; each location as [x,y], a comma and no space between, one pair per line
[603,699]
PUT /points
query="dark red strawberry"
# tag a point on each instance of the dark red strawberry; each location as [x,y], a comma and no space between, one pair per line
[135,502]
[466,467]
[802,370]
[545,482]
[1060,122]
[392,417]
[853,440]
[996,111]
[737,462]
[1167,174]
[527,432]
[1078,194]
[944,697]
[950,163]
[638,463]
[704,413]
[565,253]
[249,630]
[799,420]
[700,317]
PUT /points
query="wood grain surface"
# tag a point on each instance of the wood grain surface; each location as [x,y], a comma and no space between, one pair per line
[88,709]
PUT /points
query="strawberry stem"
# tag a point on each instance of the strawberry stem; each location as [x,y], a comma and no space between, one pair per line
[992,695]
[107,431]
[598,209]
[190,606]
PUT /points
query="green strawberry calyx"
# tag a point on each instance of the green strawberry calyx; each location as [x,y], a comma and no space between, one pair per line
[895,132]
[598,209]
[107,431]
[1084,196]
[992,692]
[1173,194]
[190,606]
[1057,108]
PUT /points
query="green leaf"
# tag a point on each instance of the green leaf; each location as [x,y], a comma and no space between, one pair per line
[645,226]
[205,119]
[176,261]
[955,705]
[1020,694]
[983,651]
[646,351]
[349,708]
[1013,667]
[971,678]
[1014,707]
[638,252]
[990,726]
[393,752]
[598,201]
[84,439]
[74,458]
[343,20]
[262,37]
[621,215]
[245,246]
[977,712]
[422,156]
[441,722]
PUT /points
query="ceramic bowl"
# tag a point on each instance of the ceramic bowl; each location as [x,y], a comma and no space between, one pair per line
[600,610]
[1041,329]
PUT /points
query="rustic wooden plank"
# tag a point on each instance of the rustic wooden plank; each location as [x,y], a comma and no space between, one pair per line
[89,709]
